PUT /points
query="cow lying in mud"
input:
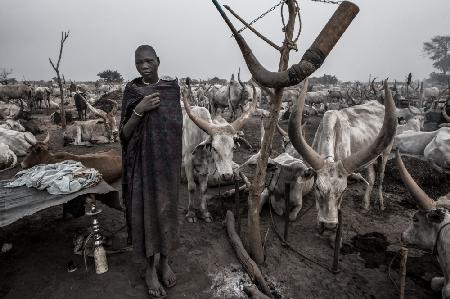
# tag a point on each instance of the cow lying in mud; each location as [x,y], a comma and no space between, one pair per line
[101,130]
[109,163]
[430,229]
[208,145]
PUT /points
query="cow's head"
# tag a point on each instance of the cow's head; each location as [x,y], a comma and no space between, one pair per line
[331,176]
[427,222]
[37,154]
[219,146]
[109,119]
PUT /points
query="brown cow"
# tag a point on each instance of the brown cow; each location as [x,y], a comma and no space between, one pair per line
[109,163]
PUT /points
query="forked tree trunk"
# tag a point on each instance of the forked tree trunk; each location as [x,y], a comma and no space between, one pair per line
[257,187]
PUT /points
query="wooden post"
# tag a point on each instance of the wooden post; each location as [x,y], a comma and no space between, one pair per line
[403,259]
[337,244]
[287,191]
[237,204]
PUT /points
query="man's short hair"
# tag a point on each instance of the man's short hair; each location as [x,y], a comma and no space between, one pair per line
[145,48]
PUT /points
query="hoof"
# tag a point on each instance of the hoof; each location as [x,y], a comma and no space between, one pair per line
[190,217]
[206,216]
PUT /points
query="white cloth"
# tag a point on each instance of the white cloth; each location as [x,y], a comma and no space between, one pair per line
[61,178]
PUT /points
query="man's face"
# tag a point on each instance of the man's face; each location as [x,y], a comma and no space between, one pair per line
[147,63]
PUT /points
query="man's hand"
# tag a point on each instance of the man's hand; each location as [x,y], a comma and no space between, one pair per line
[148,103]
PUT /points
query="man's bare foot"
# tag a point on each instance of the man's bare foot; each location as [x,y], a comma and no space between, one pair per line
[155,289]
[168,278]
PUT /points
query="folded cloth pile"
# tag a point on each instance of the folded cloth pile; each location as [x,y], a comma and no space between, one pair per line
[60,178]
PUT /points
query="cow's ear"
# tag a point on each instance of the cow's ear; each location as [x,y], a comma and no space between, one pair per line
[436,216]
[204,145]
[309,173]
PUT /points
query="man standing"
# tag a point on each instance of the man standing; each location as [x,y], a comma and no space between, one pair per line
[151,135]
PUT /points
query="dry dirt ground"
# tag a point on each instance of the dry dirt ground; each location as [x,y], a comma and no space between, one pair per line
[205,263]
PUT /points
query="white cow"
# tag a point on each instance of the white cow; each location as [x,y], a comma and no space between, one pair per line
[346,141]
[208,145]
[7,157]
[430,229]
[18,142]
[431,146]
[104,129]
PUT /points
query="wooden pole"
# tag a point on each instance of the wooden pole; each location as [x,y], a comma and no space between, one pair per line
[237,204]
[337,244]
[249,265]
[287,191]
[403,259]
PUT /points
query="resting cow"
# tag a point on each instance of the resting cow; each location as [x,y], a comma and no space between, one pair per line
[18,142]
[109,163]
[101,130]
[430,229]
[7,157]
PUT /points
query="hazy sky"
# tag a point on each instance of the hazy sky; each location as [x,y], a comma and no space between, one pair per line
[191,39]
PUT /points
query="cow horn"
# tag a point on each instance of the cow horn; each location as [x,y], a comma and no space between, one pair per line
[444,114]
[383,140]
[115,106]
[239,78]
[239,123]
[311,60]
[47,138]
[296,135]
[100,113]
[282,132]
[200,122]
[28,140]
[423,200]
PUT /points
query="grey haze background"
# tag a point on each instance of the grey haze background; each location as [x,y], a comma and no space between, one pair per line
[192,40]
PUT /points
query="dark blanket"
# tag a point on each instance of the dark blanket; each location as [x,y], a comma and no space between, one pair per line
[151,167]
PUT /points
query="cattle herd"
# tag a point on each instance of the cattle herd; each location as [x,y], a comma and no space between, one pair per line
[362,126]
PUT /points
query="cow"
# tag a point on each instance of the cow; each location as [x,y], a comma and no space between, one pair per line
[208,145]
[17,91]
[430,228]
[227,96]
[8,158]
[431,146]
[42,94]
[109,163]
[80,104]
[18,142]
[13,125]
[346,141]
[101,130]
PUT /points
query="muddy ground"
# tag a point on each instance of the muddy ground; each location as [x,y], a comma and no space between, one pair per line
[205,263]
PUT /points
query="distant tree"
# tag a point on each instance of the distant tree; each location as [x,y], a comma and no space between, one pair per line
[4,74]
[438,50]
[217,80]
[325,79]
[110,76]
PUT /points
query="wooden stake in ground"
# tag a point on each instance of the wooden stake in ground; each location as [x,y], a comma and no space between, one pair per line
[337,244]
[64,36]
[403,259]
[287,191]
[237,203]
[285,77]
[249,265]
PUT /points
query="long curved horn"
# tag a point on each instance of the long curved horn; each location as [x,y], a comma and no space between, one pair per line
[200,122]
[282,132]
[296,136]
[384,138]
[239,78]
[47,138]
[115,106]
[423,200]
[241,120]
[311,60]
[444,114]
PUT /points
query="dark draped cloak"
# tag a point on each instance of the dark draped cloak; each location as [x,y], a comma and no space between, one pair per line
[151,167]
